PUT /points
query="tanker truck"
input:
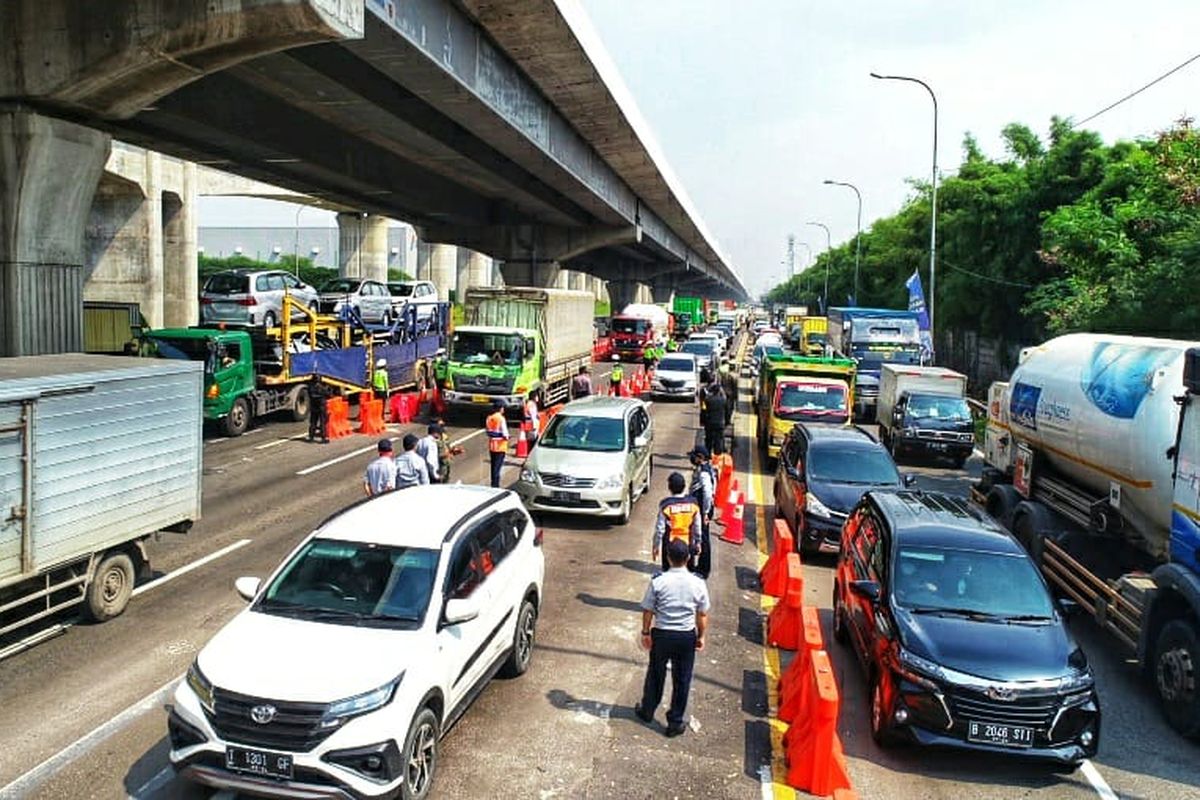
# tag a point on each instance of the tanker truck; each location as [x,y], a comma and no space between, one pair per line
[1093,462]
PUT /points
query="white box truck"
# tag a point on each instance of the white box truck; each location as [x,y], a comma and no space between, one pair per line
[97,453]
[924,410]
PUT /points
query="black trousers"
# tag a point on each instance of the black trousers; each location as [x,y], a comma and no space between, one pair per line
[714,438]
[497,460]
[677,648]
[316,422]
[702,564]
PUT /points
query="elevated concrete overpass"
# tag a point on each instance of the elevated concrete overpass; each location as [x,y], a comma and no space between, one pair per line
[499,127]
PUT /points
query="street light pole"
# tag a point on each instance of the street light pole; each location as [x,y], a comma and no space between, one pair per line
[828,257]
[933,194]
[858,235]
[296,243]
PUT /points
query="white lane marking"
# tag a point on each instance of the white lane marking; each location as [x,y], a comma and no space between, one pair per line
[767,783]
[1094,778]
[250,432]
[151,786]
[24,785]
[469,436]
[200,562]
[340,459]
[278,442]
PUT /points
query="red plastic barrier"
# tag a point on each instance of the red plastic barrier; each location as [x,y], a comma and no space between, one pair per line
[337,418]
[793,683]
[773,575]
[814,754]
[723,501]
[735,528]
[785,624]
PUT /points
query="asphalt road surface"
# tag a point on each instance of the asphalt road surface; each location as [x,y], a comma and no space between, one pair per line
[81,715]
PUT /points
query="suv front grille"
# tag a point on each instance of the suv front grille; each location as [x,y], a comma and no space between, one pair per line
[296,727]
[560,481]
[945,436]
[1031,712]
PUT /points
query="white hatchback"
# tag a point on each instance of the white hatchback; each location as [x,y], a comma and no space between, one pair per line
[363,647]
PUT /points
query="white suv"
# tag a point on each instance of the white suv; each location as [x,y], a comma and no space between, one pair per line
[363,647]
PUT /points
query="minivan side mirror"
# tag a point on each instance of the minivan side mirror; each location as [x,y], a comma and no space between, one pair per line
[460,610]
[909,479]
[868,590]
[247,587]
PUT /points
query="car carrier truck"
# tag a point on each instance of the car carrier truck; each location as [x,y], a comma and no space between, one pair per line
[1093,462]
[97,454]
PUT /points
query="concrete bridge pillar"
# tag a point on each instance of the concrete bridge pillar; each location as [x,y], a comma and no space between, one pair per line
[179,259]
[662,292]
[528,272]
[479,271]
[362,246]
[621,293]
[443,269]
[49,171]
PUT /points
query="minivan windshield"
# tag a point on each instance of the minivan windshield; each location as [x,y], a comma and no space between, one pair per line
[354,583]
[577,432]
[341,287]
[669,364]
[941,580]
[400,289]
[834,462]
[945,408]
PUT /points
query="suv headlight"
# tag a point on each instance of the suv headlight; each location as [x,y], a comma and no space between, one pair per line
[611,482]
[814,506]
[527,475]
[1076,682]
[914,669]
[342,710]
[201,686]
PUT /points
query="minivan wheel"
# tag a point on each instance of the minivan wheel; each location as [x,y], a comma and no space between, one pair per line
[420,756]
[522,649]
[881,726]
[626,505]
[841,633]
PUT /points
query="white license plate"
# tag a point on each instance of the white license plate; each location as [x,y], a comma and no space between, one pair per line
[568,497]
[257,762]
[1004,735]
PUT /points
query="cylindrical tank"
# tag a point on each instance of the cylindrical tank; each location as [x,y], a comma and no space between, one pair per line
[1101,410]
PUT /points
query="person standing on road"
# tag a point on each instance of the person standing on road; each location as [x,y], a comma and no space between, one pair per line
[411,469]
[704,488]
[427,449]
[674,622]
[581,384]
[614,380]
[317,419]
[497,436]
[381,473]
[678,520]
[531,419]
[445,452]
[712,416]
[380,381]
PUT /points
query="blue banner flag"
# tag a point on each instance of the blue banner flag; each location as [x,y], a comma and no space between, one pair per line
[916,302]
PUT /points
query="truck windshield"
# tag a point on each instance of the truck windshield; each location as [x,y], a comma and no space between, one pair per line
[872,358]
[472,347]
[354,583]
[181,350]
[575,432]
[629,325]
[933,579]
[799,401]
[939,407]
[816,338]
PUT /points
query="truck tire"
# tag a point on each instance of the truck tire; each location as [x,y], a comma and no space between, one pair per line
[111,587]
[1177,676]
[237,421]
[1033,522]
[300,404]
[1002,500]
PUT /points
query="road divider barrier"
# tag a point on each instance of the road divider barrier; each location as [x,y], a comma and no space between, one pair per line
[724,501]
[794,683]
[772,578]
[337,418]
[404,407]
[523,440]
[813,750]
[438,402]
[735,524]
[785,623]
[723,466]
[370,415]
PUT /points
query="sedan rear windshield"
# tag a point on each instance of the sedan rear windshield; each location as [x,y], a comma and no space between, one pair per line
[698,348]
[867,466]
[400,289]
[227,283]
[939,580]
[676,365]
[574,432]
[354,583]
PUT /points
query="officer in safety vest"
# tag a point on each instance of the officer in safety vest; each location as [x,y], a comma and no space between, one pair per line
[380,381]
[614,380]
[678,519]
[497,436]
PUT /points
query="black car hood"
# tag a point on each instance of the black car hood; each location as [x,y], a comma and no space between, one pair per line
[842,497]
[998,651]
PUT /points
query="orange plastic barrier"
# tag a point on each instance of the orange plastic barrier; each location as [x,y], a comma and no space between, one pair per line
[845,794]
[370,416]
[814,754]
[785,624]
[793,683]
[773,575]
[337,418]
[404,407]
[735,527]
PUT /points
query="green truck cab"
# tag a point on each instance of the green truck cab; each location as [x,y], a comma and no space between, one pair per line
[484,363]
[794,389]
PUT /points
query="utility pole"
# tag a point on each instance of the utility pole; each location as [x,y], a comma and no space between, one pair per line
[791,255]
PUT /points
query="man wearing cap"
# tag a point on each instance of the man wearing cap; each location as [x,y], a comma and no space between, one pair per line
[674,622]
[427,449]
[411,469]
[381,473]
[497,435]
[678,520]
[703,487]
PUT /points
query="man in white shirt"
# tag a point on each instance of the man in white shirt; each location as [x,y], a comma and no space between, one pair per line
[427,449]
[381,473]
[411,469]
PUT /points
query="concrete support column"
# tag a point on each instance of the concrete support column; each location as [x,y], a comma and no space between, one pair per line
[621,293]
[180,269]
[662,292]
[423,254]
[49,171]
[443,269]
[528,272]
[479,270]
[362,246]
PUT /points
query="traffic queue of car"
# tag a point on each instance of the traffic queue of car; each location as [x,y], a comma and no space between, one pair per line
[958,637]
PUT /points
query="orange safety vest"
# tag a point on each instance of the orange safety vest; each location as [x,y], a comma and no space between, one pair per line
[497,441]
[679,513]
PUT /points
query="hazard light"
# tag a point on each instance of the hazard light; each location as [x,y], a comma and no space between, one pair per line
[213,391]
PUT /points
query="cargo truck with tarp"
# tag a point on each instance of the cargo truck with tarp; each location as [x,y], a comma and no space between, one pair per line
[97,454]
[1093,462]
[516,343]
[795,389]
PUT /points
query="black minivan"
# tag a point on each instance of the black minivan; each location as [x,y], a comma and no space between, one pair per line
[957,633]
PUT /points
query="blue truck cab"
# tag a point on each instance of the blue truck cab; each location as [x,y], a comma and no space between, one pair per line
[872,337]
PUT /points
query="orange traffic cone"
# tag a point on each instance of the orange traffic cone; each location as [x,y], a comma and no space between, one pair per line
[522,441]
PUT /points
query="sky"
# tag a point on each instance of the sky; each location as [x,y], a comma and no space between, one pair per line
[756,102]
